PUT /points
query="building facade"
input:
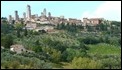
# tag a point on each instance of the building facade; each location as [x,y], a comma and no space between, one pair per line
[28,12]
[24,16]
[92,21]
[16,16]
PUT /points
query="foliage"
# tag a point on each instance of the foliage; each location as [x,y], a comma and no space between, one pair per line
[69,27]
[111,63]
[85,63]
[6,40]
[54,54]
[6,28]
[89,40]
[10,61]
[72,46]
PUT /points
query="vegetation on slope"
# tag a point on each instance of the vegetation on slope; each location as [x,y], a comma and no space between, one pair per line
[70,48]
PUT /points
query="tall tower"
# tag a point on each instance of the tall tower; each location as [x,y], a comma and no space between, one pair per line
[16,16]
[28,12]
[44,11]
[24,16]
[85,20]
[49,15]
[10,18]
[42,14]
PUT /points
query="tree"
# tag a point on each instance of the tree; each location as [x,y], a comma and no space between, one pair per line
[102,26]
[64,56]
[58,45]
[56,56]
[61,26]
[113,41]
[6,28]
[25,32]
[4,20]
[19,26]
[90,28]
[90,40]
[80,27]
[67,26]
[85,63]
[37,47]
[71,53]
[58,26]
[18,33]
[6,41]
[111,63]
[13,22]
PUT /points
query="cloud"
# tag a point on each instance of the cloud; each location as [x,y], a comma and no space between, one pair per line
[110,10]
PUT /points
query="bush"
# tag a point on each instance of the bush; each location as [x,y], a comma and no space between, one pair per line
[70,53]
[89,40]
[54,54]
[7,41]
[111,63]
[85,63]
[10,61]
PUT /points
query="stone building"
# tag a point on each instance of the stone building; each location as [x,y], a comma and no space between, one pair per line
[96,21]
[28,12]
[10,19]
[92,21]
[44,12]
[16,16]
[30,25]
[17,48]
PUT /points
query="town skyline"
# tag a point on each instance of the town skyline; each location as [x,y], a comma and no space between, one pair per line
[60,12]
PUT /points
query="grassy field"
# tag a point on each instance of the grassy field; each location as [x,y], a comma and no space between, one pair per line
[105,49]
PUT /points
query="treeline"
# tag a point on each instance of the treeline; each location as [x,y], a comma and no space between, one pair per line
[69,27]
[112,28]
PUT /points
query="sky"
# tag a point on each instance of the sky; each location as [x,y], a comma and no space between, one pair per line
[110,10]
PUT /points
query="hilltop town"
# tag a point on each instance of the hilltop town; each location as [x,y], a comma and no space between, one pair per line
[49,20]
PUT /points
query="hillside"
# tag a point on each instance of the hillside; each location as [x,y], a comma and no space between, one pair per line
[70,47]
